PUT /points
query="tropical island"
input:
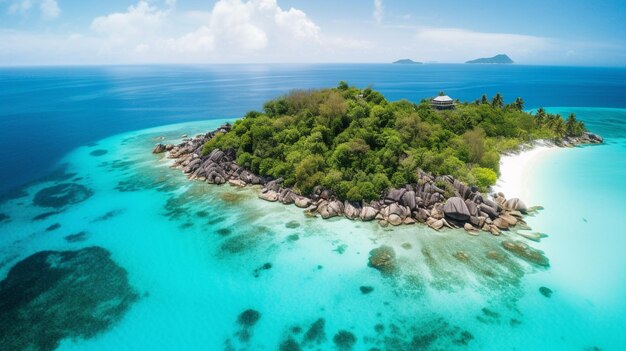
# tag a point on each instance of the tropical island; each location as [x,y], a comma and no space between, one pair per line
[349,152]
[498,59]
[407,62]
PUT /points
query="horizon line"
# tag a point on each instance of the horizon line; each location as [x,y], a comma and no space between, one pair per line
[420,63]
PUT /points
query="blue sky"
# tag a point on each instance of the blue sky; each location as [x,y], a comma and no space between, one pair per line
[555,32]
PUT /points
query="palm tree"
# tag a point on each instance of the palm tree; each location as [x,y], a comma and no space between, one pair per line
[551,120]
[540,117]
[580,128]
[559,128]
[571,124]
[497,101]
[519,103]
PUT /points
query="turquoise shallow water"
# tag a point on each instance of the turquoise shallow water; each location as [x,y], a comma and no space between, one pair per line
[195,254]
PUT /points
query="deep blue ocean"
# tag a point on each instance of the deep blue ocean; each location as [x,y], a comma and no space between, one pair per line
[105,247]
[46,112]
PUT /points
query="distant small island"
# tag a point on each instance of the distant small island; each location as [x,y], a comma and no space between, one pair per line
[498,59]
[407,62]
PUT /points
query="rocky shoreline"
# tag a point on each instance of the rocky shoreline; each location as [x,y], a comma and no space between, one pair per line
[435,201]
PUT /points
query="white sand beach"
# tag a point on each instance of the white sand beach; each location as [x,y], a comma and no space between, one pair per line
[516,168]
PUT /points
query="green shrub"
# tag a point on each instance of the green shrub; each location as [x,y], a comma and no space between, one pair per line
[485,177]
[358,144]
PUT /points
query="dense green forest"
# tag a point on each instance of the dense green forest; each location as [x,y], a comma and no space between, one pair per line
[358,144]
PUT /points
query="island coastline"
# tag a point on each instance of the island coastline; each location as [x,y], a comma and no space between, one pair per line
[436,189]
[392,208]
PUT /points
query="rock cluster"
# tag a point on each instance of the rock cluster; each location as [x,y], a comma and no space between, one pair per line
[585,138]
[435,201]
[424,202]
[218,167]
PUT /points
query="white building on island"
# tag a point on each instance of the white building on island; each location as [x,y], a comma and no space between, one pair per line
[442,102]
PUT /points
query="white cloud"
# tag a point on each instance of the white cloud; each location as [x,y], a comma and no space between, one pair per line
[379,11]
[243,27]
[232,30]
[200,40]
[170,3]
[49,8]
[250,31]
[137,20]
[297,23]
[22,6]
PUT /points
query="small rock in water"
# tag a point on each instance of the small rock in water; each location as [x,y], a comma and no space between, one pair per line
[237,183]
[248,318]
[293,237]
[494,255]
[44,215]
[292,224]
[4,217]
[202,214]
[344,340]
[98,152]
[366,289]
[461,256]
[108,215]
[490,313]
[73,238]
[54,226]
[223,231]
[464,338]
[532,236]
[383,258]
[264,267]
[547,292]
[340,249]
[316,333]
[289,345]
[407,246]
[526,252]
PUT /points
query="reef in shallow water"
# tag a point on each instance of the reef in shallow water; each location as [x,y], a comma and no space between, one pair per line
[74,238]
[45,215]
[545,291]
[383,258]
[526,252]
[53,295]
[61,195]
[98,152]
